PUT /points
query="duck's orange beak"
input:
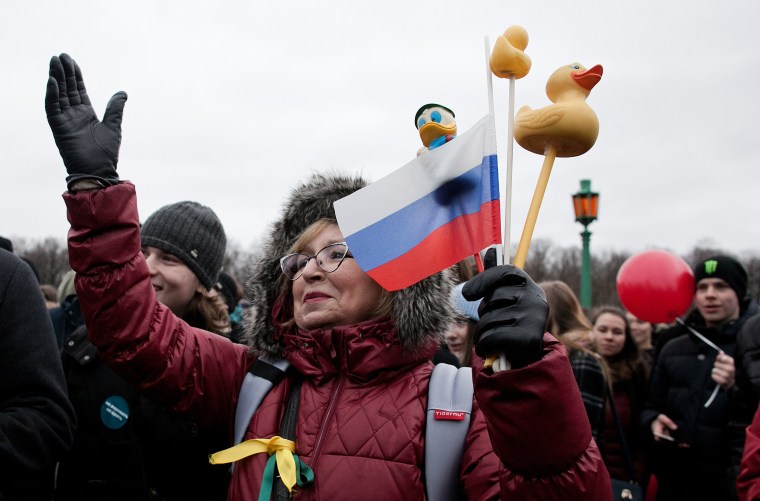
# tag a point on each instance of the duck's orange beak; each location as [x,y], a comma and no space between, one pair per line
[433,130]
[589,78]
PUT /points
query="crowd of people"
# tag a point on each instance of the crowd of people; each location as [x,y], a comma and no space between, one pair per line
[130,385]
[669,405]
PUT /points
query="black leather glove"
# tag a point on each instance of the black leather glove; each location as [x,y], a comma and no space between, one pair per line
[89,148]
[512,314]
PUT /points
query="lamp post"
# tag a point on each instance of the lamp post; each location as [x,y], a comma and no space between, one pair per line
[586,205]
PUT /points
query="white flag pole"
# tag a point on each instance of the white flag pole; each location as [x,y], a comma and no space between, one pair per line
[489,76]
[508,186]
[489,86]
[503,363]
[505,258]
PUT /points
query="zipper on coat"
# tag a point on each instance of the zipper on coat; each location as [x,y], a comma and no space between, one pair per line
[337,389]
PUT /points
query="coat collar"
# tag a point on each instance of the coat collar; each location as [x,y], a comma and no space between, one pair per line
[362,352]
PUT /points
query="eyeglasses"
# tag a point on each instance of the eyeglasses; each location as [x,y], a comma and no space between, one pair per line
[328,259]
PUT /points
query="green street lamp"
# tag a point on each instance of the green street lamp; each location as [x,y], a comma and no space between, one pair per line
[586,205]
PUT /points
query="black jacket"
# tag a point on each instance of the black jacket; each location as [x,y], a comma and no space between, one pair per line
[681,384]
[36,419]
[744,397]
[106,461]
[128,448]
[66,318]
[747,360]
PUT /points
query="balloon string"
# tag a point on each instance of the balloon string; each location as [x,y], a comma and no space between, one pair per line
[712,397]
[700,336]
[711,345]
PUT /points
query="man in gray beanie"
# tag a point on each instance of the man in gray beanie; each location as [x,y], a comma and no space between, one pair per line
[191,232]
[155,450]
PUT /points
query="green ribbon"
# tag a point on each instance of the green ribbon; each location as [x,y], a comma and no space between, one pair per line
[304,476]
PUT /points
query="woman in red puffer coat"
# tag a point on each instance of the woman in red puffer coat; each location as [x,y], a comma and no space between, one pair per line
[359,356]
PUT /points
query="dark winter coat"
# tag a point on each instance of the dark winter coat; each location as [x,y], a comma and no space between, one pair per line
[36,418]
[681,384]
[744,397]
[629,401]
[66,318]
[362,403]
[105,462]
[748,481]
[592,383]
[127,447]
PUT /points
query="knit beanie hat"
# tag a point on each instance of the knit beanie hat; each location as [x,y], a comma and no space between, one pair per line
[726,268]
[193,233]
[468,309]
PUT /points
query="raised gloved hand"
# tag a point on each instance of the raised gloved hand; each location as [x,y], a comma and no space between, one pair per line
[89,148]
[512,314]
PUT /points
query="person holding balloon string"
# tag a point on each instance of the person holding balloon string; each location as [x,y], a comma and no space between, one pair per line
[685,410]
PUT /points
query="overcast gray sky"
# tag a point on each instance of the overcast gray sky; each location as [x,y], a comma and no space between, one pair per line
[232,102]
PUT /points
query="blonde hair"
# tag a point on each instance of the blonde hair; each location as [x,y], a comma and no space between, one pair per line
[566,315]
[285,285]
[208,311]
[565,312]
[50,293]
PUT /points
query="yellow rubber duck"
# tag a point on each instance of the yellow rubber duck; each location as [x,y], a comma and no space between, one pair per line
[570,125]
[507,58]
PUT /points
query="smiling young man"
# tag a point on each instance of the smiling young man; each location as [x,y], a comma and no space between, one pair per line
[688,424]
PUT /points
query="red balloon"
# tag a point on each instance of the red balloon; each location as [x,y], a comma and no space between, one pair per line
[655,286]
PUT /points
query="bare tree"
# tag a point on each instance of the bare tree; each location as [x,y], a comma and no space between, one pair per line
[237,260]
[545,262]
[604,278]
[538,263]
[566,267]
[49,256]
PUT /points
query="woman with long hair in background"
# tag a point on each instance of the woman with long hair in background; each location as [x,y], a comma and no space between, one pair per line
[569,324]
[629,377]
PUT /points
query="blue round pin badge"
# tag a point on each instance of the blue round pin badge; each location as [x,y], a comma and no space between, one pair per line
[114,412]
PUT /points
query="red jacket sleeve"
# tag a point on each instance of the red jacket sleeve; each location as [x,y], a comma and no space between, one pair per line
[479,468]
[179,366]
[748,482]
[539,430]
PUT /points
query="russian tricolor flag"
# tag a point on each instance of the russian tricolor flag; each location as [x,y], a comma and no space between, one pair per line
[428,215]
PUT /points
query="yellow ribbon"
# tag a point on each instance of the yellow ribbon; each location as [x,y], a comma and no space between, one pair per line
[282,449]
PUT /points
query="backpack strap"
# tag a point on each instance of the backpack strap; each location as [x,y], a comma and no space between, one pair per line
[450,394]
[265,373]
[448,419]
[288,429]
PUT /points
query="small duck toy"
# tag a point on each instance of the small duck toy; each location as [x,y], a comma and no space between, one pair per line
[569,125]
[436,125]
[508,58]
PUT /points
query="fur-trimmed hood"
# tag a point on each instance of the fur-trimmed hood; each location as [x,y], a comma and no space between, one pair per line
[421,312]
